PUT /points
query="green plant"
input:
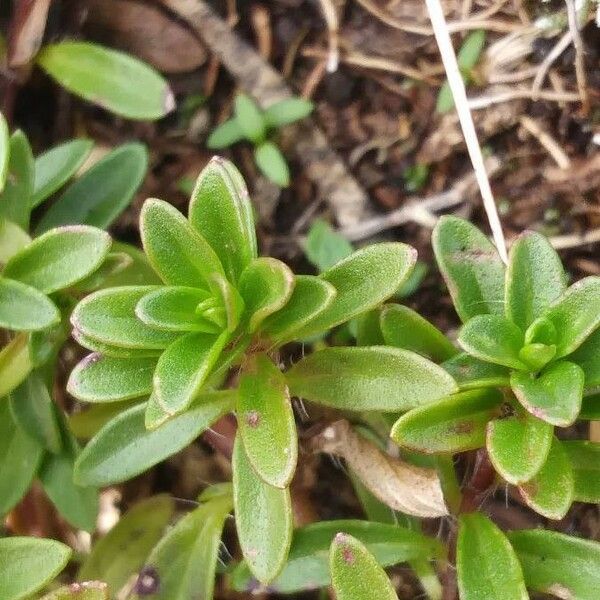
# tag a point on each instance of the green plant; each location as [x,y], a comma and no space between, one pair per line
[254,125]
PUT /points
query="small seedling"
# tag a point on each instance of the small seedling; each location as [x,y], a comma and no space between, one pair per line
[254,125]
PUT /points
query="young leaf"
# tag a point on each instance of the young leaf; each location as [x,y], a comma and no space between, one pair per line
[124,447]
[101,194]
[123,550]
[185,559]
[587,356]
[454,424]
[363,281]
[263,518]
[56,166]
[585,461]
[272,164]
[4,150]
[104,77]
[287,111]
[493,338]
[177,252]
[266,284]
[224,135]
[471,266]
[518,446]
[12,239]
[183,368]
[59,258]
[249,118]
[557,564]
[355,573]
[20,457]
[310,297]
[23,308]
[15,363]
[400,485]
[232,302]
[553,396]
[487,566]
[405,328]
[470,372]
[575,315]
[308,565]
[174,309]
[220,210]
[99,378]
[374,378]
[34,412]
[16,196]
[535,278]
[325,247]
[27,564]
[87,590]
[550,492]
[266,421]
[109,317]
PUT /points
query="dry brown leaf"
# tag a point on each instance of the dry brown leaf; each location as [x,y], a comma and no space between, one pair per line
[147,32]
[410,489]
[27,31]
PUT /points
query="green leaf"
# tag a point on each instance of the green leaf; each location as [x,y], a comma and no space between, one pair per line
[12,239]
[34,412]
[550,492]
[4,150]
[494,339]
[554,395]
[369,378]
[113,80]
[109,317]
[471,267]
[487,566]
[99,378]
[20,457]
[114,351]
[102,193]
[272,163]
[587,356]
[405,328]
[178,253]
[27,564]
[585,461]
[23,308]
[363,281]
[124,447]
[558,564]
[454,424]
[537,356]
[518,446]
[470,372]
[114,263]
[590,407]
[224,135]
[174,309]
[123,550]
[183,368]
[15,363]
[575,315]
[287,111]
[266,421]
[266,284]
[139,271]
[87,590]
[308,565]
[535,278]
[263,518]
[56,166]
[88,422]
[59,258]
[232,302]
[368,329]
[310,297]
[249,118]
[15,203]
[220,210]
[355,573]
[185,559]
[324,246]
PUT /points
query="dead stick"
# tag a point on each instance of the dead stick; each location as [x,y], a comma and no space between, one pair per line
[325,168]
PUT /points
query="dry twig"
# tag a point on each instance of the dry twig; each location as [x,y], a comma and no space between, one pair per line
[579,56]
[547,141]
